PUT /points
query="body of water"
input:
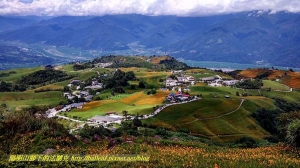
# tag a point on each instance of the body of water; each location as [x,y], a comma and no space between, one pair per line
[227,66]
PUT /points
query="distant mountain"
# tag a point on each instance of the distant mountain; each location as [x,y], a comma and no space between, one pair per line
[242,38]
[257,40]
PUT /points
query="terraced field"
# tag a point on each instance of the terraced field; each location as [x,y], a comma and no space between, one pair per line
[196,117]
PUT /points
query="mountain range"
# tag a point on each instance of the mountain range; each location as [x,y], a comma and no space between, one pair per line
[252,37]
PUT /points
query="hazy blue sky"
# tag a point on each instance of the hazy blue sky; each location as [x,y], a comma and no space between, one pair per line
[146,7]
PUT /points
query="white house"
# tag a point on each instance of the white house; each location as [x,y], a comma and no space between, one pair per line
[230,82]
[216,83]
[208,79]
[190,78]
[182,79]
[176,71]
[171,82]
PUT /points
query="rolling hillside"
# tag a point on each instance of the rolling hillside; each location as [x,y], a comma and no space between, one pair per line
[289,78]
[217,119]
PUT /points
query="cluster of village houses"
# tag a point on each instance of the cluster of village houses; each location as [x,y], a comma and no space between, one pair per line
[79,92]
[180,83]
[190,80]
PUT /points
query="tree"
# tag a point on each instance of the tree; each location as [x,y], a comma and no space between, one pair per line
[66,89]
[142,84]
[112,93]
[5,87]
[132,87]
[250,84]
[293,133]
[118,89]
[173,77]
[125,114]
[76,99]
[136,121]
[130,75]
[247,142]
[4,105]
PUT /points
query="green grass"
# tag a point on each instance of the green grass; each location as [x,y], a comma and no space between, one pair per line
[66,123]
[293,96]
[19,73]
[25,99]
[210,91]
[117,107]
[274,85]
[226,128]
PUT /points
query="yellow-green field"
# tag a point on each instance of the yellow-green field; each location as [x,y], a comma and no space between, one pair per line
[134,103]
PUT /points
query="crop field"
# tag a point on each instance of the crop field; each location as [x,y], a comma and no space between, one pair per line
[251,73]
[116,107]
[209,118]
[292,80]
[133,103]
[167,153]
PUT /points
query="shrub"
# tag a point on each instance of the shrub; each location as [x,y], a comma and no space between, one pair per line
[246,142]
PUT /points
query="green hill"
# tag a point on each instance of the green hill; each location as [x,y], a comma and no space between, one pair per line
[215,118]
[151,62]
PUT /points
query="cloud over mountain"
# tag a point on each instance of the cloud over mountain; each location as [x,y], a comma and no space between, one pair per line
[145,7]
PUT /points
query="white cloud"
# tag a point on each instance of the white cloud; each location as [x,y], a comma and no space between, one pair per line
[146,7]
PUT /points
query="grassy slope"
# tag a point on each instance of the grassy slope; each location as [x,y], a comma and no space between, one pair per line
[25,99]
[226,128]
[274,85]
[19,73]
[289,96]
[202,73]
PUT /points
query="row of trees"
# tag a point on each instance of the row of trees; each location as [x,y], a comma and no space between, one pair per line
[250,84]
[5,74]
[9,87]
[43,76]
[118,81]
[82,66]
